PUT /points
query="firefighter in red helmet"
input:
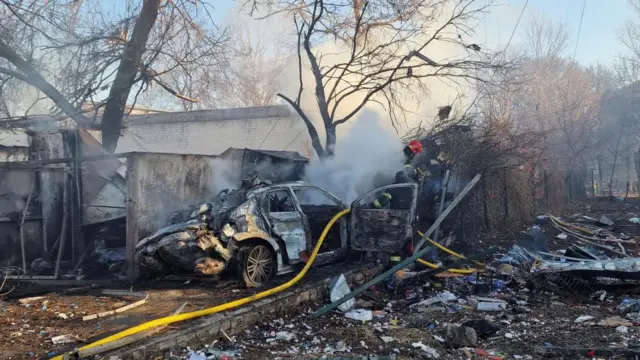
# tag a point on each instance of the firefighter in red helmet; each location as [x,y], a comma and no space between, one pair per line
[410,151]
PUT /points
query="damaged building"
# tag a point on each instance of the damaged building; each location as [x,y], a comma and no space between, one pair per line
[66,192]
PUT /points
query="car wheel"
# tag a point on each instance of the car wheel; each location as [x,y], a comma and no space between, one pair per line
[257,265]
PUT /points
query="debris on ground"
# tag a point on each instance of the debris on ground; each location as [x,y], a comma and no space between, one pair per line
[528,301]
[542,296]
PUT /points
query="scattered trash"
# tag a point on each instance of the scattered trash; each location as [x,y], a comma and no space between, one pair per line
[197,356]
[460,336]
[285,336]
[629,306]
[63,339]
[62,316]
[562,236]
[491,306]
[387,339]
[599,295]
[605,221]
[429,352]
[635,220]
[338,289]
[359,315]
[583,318]
[444,296]
[622,329]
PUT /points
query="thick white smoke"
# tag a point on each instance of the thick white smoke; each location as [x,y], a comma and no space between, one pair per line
[366,157]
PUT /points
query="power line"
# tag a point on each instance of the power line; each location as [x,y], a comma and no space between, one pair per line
[515,27]
[294,139]
[269,133]
[575,50]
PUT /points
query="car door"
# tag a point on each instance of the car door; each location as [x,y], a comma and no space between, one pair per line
[318,208]
[287,221]
[384,229]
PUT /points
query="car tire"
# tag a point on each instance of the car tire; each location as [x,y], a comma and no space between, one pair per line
[258,265]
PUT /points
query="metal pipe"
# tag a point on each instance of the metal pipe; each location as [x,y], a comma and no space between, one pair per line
[65,220]
[24,216]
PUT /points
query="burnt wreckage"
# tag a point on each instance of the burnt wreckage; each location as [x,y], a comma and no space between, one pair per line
[261,230]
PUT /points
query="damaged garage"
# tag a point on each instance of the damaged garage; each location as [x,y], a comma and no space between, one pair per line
[72,208]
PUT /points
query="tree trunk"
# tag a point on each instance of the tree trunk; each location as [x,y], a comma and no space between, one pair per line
[125,77]
[330,143]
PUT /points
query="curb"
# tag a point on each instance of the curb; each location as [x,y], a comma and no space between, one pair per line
[205,330]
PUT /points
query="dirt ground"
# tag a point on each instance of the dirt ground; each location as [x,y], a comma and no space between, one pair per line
[547,319]
[542,318]
[27,330]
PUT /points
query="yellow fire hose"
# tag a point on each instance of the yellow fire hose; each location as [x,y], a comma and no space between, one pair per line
[219,308]
[452,253]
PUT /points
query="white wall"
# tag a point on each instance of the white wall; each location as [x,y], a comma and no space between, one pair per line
[214,137]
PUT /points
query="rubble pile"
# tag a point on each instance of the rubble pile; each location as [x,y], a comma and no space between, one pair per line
[532,301]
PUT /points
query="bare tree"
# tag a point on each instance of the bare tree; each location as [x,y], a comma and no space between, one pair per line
[545,39]
[75,54]
[381,60]
[259,52]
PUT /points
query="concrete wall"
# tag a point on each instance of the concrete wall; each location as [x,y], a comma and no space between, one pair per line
[210,132]
[159,184]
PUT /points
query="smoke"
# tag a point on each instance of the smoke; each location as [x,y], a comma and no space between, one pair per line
[225,174]
[366,157]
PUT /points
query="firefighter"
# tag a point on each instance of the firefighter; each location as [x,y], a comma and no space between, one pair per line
[391,199]
[410,151]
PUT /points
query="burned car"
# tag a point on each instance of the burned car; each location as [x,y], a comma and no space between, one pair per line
[262,230]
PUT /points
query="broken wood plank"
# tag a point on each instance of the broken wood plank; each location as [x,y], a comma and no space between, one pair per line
[118,310]
[30,299]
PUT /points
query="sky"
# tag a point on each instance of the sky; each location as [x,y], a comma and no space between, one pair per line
[599,39]
[599,35]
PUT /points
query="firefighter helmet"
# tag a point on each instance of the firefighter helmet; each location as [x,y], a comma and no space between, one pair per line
[415,146]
